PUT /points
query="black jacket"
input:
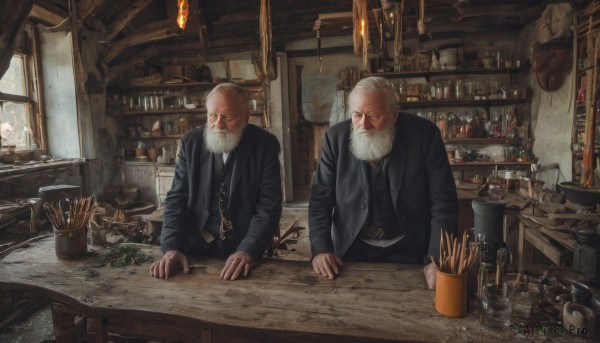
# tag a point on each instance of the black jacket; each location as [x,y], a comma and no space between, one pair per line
[255,196]
[421,182]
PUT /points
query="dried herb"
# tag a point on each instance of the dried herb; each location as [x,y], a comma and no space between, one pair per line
[121,256]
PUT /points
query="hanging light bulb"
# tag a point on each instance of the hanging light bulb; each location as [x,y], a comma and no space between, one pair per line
[182,13]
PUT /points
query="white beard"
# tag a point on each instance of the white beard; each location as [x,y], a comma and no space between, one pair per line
[369,145]
[222,141]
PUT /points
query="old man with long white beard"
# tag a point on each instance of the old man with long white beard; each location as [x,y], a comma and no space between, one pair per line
[383,188]
[225,200]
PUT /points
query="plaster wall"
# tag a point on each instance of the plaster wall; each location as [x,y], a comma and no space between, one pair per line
[552,116]
[59,95]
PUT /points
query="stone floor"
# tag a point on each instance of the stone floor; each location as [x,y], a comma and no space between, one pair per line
[38,327]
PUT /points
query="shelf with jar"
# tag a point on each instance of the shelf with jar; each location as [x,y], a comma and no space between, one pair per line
[498,126]
[459,103]
[481,89]
[448,72]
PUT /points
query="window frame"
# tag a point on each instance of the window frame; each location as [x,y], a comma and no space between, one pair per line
[33,88]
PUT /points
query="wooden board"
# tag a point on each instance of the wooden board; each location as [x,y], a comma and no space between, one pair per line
[281,301]
[535,237]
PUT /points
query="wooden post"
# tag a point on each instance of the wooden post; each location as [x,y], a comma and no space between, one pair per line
[97,330]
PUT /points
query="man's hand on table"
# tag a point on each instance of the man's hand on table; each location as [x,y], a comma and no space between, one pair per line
[237,263]
[163,268]
[326,264]
[429,272]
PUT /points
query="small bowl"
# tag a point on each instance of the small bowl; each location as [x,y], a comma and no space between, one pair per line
[190,106]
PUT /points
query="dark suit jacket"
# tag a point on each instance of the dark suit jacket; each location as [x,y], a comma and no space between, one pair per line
[421,182]
[255,192]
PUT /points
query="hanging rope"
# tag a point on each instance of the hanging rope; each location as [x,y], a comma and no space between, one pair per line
[398,35]
[266,37]
[360,33]
[421,22]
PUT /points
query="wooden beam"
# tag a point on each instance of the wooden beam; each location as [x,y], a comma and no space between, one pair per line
[14,98]
[542,243]
[324,51]
[86,7]
[139,38]
[126,16]
[117,70]
[46,16]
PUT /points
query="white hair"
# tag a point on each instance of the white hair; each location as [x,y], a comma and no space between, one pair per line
[239,91]
[378,84]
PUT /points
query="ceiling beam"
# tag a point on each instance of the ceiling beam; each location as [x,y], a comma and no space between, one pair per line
[46,16]
[86,7]
[142,57]
[126,16]
[139,38]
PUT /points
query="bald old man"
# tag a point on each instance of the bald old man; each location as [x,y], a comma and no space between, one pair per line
[225,200]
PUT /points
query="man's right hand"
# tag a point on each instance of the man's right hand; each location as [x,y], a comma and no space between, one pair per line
[163,267]
[326,264]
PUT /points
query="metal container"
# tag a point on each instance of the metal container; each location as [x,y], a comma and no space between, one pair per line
[488,221]
[70,244]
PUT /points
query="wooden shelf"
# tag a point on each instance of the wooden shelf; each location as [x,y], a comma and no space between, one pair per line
[178,136]
[481,141]
[162,112]
[484,164]
[459,103]
[127,114]
[201,85]
[429,73]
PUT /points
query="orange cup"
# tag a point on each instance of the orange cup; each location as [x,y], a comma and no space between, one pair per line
[451,294]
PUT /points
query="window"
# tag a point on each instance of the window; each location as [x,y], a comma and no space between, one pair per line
[20,116]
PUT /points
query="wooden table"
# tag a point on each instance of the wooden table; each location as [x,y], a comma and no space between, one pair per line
[281,301]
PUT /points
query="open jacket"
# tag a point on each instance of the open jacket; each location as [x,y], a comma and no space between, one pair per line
[255,192]
[421,184]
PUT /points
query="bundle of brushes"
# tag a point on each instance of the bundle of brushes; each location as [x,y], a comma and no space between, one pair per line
[454,257]
[79,214]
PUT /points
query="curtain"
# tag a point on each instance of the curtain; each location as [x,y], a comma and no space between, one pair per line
[13,15]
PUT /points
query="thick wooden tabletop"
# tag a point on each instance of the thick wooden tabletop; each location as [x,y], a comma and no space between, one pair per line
[370,302]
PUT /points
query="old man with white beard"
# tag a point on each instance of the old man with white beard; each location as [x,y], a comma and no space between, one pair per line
[383,188]
[225,200]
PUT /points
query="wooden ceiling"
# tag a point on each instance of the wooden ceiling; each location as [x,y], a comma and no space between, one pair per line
[232,25]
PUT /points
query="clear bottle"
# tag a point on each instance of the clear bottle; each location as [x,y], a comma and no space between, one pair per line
[521,300]
[439,91]
[442,123]
[459,89]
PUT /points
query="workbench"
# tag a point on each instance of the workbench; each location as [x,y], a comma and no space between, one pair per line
[281,301]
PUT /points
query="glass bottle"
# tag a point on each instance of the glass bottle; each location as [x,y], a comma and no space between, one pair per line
[495,128]
[439,91]
[442,123]
[459,89]
[470,127]
[521,300]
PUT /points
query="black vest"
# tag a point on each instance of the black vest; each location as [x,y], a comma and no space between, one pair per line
[382,222]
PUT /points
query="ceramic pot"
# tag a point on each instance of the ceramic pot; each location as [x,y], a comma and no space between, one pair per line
[70,244]
[451,294]
[152,154]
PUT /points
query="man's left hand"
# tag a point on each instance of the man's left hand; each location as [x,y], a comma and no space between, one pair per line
[237,263]
[429,272]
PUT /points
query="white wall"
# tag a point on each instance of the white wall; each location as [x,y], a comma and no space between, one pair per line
[59,95]
[551,119]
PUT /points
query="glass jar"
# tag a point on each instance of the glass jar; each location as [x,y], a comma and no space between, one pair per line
[439,91]
[469,126]
[495,127]
[449,92]
[459,90]
[442,123]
